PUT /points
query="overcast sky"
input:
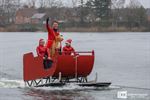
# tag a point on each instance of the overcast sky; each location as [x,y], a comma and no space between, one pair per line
[145,3]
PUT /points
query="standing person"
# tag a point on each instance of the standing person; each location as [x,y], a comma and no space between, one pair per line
[54,37]
[68,49]
[43,51]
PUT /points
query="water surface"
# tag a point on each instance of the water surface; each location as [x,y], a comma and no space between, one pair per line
[121,58]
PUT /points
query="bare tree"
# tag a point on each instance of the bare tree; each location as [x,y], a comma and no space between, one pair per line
[135,14]
[32,3]
[8,10]
[117,6]
[74,3]
[41,3]
[134,4]
[50,3]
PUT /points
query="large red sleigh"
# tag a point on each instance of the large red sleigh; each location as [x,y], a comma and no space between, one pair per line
[64,68]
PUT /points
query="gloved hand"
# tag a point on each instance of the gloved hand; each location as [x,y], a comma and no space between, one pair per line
[47,20]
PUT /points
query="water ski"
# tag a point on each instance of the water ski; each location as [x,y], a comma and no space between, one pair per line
[100,84]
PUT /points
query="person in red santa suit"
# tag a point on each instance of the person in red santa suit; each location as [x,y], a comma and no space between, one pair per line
[43,51]
[54,37]
[68,49]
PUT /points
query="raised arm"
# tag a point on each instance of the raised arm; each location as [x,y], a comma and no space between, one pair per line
[47,26]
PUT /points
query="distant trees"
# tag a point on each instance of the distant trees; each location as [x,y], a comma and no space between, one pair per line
[117,7]
[82,13]
[32,3]
[99,12]
[101,8]
[8,10]
[135,15]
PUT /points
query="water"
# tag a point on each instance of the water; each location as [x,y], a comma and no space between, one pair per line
[121,58]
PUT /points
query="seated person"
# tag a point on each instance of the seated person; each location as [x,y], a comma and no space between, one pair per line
[68,49]
[43,52]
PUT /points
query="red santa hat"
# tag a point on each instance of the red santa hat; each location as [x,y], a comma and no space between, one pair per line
[40,41]
[69,41]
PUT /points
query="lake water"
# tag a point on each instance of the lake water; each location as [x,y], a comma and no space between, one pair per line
[121,58]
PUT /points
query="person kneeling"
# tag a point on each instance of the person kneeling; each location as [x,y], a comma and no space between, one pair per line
[68,49]
[43,51]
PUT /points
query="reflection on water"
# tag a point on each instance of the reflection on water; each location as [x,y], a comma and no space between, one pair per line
[58,95]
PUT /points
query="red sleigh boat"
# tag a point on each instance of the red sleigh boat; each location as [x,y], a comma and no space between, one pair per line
[65,69]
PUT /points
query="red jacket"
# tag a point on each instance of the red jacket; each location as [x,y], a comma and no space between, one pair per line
[51,33]
[42,51]
[68,50]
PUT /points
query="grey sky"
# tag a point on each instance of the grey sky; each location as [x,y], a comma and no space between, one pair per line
[145,3]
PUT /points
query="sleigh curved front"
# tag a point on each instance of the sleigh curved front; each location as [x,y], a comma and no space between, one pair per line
[33,68]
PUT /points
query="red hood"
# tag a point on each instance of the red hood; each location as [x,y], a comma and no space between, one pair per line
[40,41]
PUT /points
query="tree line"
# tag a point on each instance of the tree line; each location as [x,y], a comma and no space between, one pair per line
[83,13]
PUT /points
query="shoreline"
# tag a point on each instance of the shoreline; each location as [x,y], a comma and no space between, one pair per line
[84,29]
